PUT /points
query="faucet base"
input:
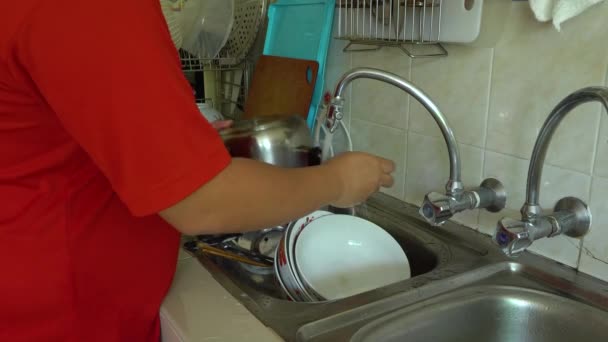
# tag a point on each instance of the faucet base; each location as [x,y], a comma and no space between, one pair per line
[581,216]
[497,196]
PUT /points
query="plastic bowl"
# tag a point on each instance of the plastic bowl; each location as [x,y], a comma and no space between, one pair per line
[340,256]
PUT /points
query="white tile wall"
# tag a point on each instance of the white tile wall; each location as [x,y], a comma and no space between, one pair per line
[379,102]
[384,141]
[459,85]
[496,100]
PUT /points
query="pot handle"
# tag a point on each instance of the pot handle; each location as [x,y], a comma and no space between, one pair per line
[314,156]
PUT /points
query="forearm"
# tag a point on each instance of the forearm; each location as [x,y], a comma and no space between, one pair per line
[250,195]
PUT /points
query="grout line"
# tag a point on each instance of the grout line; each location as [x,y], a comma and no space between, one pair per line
[598,136]
[368,121]
[569,169]
[408,123]
[437,134]
[485,132]
[580,252]
[350,94]
[528,160]
[598,130]
[407,132]
[578,172]
[440,138]
[507,154]
[404,159]
[485,140]
[590,190]
[606,81]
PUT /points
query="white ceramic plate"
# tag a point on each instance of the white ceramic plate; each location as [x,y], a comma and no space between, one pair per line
[341,255]
[291,234]
[294,232]
[296,228]
[286,279]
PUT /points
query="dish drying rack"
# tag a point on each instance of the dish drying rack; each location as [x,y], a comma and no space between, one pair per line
[230,82]
[414,26]
[229,73]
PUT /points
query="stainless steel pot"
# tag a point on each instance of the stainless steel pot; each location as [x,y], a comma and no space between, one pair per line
[281,141]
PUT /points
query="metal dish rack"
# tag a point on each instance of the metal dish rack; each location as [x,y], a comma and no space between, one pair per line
[231,70]
[230,82]
[414,26]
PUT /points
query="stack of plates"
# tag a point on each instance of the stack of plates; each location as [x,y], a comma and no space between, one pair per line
[324,256]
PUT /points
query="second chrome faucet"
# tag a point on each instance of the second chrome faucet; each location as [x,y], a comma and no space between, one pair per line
[437,208]
[570,216]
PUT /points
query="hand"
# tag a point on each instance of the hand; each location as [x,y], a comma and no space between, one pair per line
[359,176]
[221,124]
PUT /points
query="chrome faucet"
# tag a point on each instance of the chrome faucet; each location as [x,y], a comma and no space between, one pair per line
[436,208]
[570,216]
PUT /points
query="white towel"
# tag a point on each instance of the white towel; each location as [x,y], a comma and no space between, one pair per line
[559,10]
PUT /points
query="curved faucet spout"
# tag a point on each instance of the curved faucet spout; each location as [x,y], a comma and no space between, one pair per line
[570,216]
[454,186]
[531,208]
[436,208]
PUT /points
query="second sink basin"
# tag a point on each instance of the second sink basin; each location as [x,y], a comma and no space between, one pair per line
[490,313]
[505,302]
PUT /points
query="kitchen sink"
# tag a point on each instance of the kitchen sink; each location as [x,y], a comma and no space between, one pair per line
[490,313]
[424,252]
[507,302]
[462,288]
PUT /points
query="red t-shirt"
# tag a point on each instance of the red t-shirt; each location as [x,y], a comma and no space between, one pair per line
[98,132]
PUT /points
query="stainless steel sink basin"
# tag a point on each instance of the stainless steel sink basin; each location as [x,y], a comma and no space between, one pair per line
[509,302]
[491,313]
[462,288]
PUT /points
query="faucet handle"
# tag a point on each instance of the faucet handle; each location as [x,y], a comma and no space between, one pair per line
[513,236]
[436,208]
[334,114]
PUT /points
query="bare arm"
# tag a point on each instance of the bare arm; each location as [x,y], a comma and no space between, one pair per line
[250,195]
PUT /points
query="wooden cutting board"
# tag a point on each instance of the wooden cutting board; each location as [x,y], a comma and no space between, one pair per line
[281,86]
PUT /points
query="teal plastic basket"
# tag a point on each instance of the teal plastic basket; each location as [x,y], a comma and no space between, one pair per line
[302,29]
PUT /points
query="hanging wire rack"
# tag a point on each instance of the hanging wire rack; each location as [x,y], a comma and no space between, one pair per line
[414,26]
[231,70]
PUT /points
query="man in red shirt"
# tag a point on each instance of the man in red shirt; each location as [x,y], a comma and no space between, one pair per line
[105,159]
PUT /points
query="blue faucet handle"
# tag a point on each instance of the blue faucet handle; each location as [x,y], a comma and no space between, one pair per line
[436,208]
[513,236]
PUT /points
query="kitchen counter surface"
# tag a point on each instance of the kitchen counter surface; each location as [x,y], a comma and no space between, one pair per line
[197,308]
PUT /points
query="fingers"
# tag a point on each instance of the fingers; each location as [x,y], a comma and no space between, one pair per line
[387,166]
[387,181]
